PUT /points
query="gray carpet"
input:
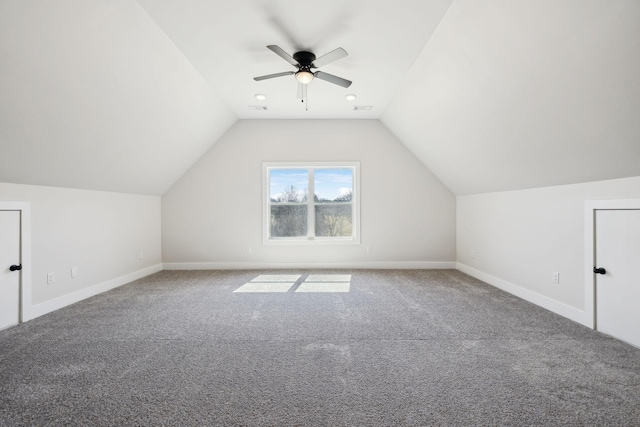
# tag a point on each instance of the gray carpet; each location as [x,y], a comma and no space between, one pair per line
[400,348]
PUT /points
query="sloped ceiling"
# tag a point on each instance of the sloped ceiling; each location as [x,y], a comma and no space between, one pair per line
[226,42]
[519,94]
[125,95]
[94,95]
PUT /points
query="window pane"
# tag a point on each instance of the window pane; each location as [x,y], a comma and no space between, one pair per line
[288,221]
[333,185]
[334,220]
[288,185]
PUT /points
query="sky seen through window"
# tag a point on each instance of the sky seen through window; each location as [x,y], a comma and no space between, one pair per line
[329,183]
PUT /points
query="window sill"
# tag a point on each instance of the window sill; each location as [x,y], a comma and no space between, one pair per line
[318,241]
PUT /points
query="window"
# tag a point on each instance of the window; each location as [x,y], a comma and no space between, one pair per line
[310,203]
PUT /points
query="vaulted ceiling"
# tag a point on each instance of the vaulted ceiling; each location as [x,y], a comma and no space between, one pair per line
[126,95]
[520,94]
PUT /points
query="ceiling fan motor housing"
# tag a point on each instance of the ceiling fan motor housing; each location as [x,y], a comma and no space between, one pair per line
[305,59]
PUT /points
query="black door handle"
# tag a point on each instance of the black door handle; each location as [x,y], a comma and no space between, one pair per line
[15,267]
[599,270]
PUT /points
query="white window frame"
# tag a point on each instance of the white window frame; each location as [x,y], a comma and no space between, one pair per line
[310,239]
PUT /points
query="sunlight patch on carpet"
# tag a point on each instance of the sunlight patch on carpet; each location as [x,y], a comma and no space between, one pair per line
[323,287]
[326,283]
[344,278]
[277,278]
[270,283]
[265,287]
[282,283]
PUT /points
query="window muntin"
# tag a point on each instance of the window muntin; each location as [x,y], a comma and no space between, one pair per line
[291,215]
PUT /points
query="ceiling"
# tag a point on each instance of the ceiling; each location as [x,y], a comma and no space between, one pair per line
[510,95]
[94,95]
[126,95]
[226,42]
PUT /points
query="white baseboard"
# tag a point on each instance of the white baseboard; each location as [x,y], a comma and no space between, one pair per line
[65,300]
[533,297]
[391,265]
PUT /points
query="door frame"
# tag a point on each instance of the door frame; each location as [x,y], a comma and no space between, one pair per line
[591,206]
[25,254]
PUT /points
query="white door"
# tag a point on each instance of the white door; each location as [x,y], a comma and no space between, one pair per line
[9,280]
[617,246]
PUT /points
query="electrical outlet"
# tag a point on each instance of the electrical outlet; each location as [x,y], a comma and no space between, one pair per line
[51,278]
[249,250]
[369,249]
[141,255]
[74,272]
[473,254]
[555,277]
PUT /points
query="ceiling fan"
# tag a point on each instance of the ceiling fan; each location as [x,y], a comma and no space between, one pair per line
[305,61]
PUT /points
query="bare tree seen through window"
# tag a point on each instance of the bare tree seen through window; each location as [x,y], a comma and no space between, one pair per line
[289,219]
[334,218]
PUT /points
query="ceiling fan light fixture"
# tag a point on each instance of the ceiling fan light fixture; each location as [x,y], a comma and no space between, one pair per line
[260,97]
[304,76]
[351,97]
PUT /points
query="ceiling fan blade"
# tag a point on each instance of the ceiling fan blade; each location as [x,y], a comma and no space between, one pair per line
[332,79]
[330,57]
[271,76]
[284,55]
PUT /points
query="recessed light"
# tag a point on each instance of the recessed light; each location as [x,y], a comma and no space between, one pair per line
[261,97]
[351,97]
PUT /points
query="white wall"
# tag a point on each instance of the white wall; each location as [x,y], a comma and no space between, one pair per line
[101,233]
[214,212]
[521,237]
